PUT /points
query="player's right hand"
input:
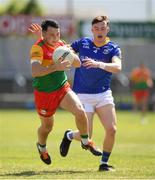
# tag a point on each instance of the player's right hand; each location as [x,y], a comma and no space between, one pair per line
[62,65]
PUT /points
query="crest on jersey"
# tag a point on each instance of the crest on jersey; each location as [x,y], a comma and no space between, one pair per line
[107,50]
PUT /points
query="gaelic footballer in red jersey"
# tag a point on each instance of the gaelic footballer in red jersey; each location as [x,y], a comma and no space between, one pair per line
[51,89]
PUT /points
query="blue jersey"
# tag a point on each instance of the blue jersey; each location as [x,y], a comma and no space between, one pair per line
[93,80]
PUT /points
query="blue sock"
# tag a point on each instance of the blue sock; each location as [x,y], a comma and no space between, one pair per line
[105,157]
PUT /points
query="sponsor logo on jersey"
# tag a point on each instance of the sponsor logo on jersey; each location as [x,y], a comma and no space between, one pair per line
[95,51]
[49,54]
[103,88]
[85,45]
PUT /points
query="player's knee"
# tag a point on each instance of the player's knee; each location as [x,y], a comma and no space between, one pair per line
[112,130]
[48,129]
[80,113]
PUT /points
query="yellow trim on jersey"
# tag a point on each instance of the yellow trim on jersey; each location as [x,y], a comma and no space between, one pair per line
[104,43]
[36,53]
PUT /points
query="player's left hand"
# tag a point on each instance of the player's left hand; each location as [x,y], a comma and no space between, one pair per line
[90,63]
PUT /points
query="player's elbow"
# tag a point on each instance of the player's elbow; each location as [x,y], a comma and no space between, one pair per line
[34,74]
[118,69]
[76,64]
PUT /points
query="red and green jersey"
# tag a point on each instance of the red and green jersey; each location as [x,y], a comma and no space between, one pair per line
[42,52]
[139,78]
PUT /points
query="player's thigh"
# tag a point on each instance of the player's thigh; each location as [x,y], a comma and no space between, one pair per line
[71,102]
[107,115]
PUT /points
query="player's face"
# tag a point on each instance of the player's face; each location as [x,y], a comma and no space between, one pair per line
[51,36]
[100,31]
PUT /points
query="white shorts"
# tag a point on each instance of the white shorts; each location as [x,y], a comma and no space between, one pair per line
[92,101]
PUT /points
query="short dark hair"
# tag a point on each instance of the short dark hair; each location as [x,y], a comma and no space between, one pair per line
[49,23]
[100,19]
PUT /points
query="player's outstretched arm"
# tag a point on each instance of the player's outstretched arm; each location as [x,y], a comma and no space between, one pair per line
[35,29]
[114,67]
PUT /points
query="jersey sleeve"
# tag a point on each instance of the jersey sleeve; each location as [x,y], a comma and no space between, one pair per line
[75,46]
[133,75]
[36,54]
[117,52]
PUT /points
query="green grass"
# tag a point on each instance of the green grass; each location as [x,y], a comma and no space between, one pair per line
[133,154]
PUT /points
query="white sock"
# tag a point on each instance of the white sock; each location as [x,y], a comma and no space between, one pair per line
[85,140]
[42,149]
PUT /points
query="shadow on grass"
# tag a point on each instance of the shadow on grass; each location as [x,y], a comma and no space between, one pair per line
[33,173]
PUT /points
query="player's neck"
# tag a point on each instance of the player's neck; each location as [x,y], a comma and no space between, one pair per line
[100,43]
[47,44]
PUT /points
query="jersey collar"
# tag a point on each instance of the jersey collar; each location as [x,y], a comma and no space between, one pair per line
[104,43]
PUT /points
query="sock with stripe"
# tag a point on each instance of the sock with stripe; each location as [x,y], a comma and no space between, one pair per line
[105,157]
[41,147]
[85,139]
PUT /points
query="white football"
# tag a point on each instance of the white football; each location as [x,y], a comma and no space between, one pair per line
[64,53]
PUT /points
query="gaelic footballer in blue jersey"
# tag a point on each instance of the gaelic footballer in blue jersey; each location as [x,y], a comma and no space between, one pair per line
[99,58]
[90,78]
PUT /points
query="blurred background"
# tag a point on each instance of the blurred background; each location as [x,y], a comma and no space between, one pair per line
[132,24]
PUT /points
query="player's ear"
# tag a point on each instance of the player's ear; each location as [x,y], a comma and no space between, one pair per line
[43,33]
[108,29]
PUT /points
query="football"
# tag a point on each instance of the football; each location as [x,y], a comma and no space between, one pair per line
[64,53]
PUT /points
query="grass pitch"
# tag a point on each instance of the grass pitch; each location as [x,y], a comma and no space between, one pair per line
[133,154]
